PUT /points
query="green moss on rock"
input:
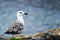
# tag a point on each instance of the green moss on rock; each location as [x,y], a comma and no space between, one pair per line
[13,38]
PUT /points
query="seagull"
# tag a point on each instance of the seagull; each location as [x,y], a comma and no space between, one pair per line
[17,26]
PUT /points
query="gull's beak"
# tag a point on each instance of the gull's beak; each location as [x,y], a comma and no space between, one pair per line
[25,13]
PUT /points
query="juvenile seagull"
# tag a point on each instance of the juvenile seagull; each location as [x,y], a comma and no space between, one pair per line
[17,26]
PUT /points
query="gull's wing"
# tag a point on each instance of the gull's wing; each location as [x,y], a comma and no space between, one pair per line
[15,28]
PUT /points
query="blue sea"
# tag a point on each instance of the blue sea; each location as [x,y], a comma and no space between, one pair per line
[42,14]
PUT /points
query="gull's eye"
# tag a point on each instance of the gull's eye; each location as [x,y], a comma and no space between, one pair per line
[20,12]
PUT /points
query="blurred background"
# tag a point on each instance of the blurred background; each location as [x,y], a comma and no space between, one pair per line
[43,14]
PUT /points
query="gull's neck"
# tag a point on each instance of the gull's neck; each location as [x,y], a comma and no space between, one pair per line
[20,19]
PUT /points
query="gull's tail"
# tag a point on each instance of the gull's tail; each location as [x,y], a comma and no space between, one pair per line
[12,32]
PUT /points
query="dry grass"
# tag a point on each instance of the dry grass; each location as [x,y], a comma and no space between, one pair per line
[55,31]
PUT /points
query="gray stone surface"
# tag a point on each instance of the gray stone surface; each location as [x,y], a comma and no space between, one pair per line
[4,38]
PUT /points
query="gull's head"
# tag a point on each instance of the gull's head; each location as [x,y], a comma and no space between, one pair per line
[21,13]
